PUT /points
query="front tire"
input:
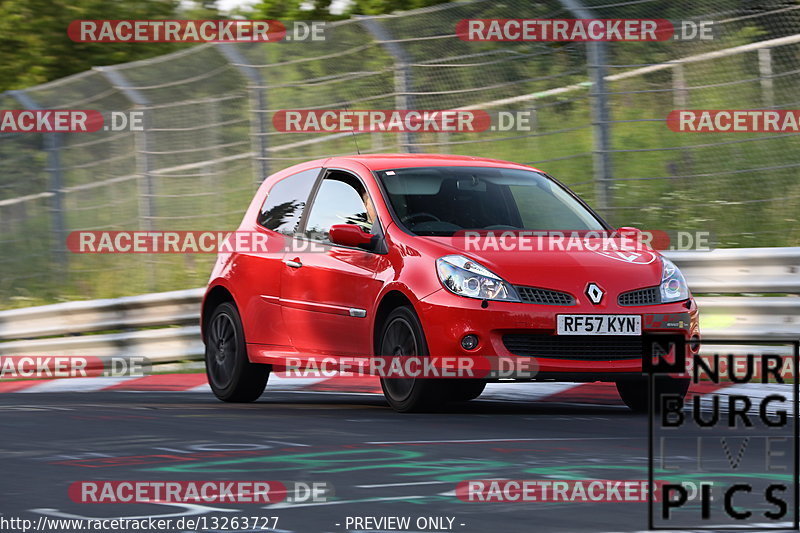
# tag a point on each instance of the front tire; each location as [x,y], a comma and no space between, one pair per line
[232,377]
[636,392]
[402,336]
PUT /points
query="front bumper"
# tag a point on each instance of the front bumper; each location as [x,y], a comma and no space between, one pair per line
[446,318]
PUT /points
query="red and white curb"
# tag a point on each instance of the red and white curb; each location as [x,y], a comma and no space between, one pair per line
[574,393]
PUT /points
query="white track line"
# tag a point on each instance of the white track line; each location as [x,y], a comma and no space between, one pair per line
[477,441]
[524,391]
[277,382]
[76,384]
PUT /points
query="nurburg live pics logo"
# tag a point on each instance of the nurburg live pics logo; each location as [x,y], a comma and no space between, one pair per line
[743,449]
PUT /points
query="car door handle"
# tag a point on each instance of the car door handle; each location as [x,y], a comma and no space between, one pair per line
[294,263]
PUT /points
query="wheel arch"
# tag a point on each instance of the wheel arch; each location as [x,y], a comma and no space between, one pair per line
[215,296]
[390,301]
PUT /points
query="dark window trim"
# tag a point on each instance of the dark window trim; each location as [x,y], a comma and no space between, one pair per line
[312,191]
[380,249]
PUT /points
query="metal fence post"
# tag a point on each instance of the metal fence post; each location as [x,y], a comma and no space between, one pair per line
[147,190]
[147,208]
[765,76]
[680,93]
[258,108]
[597,52]
[52,145]
[403,82]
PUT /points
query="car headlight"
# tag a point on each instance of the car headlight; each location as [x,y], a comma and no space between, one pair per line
[673,285]
[465,277]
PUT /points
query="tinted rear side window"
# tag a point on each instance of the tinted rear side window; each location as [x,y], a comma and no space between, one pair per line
[286,200]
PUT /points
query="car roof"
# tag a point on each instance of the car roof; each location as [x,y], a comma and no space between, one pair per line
[387,161]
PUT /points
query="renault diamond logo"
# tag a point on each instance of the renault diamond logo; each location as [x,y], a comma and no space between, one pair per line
[594,293]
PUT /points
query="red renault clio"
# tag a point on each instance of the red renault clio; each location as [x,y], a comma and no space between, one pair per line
[405,262]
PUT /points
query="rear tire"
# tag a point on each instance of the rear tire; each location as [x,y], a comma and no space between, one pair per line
[402,335]
[636,392]
[464,390]
[232,377]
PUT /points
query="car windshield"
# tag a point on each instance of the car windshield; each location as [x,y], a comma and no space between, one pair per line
[446,200]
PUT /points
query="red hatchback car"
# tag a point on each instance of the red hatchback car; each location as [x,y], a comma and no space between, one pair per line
[405,263]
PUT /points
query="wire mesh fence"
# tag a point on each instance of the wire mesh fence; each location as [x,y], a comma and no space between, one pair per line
[598,125]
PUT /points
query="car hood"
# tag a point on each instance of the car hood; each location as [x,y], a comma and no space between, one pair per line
[563,268]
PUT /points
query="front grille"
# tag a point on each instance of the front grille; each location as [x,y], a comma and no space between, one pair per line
[579,347]
[532,295]
[647,296]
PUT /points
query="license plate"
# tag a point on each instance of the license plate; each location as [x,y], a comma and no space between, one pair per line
[599,325]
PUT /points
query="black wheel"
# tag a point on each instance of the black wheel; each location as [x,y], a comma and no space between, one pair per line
[232,377]
[636,394]
[402,336]
[464,390]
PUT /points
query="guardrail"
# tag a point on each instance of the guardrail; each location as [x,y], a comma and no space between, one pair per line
[162,327]
[751,293]
[753,275]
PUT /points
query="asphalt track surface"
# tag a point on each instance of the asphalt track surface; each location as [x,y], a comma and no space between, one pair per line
[379,463]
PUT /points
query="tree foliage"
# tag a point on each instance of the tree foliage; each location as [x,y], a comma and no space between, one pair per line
[327,9]
[35,48]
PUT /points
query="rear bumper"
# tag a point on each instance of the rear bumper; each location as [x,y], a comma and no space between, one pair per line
[447,318]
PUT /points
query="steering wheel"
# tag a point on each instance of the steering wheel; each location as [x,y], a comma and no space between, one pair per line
[409,218]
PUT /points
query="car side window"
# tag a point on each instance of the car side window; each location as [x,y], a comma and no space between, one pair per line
[341,199]
[285,202]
